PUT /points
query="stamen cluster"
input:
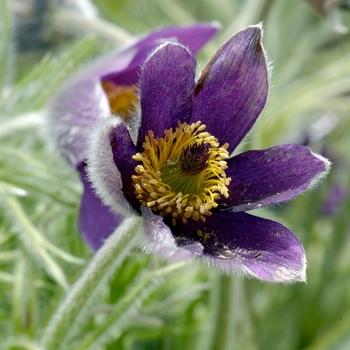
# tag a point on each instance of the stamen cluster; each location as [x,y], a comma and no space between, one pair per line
[181,174]
[121,98]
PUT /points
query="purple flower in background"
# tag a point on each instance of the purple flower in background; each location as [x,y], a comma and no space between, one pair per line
[107,86]
[336,196]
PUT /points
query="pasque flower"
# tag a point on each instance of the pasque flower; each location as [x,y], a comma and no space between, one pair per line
[106,86]
[171,163]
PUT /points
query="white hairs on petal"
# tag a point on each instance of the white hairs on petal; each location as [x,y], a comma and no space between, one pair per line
[282,274]
[102,171]
[316,180]
[158,239]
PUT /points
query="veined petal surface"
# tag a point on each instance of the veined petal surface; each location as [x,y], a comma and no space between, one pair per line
[247,244]
[166,90]
[232,89]
[270,176]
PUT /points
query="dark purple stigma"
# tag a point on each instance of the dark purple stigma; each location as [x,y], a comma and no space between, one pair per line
[194,158]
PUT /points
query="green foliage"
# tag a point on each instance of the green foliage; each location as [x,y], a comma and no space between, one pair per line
[140,302]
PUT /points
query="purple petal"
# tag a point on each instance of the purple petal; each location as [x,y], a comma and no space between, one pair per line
[81,102]
[273,175]
[159,239]
[103,173]
[166,89]
[193,37]
[74,111]
[123,149]
[232,89]
[96,222]
[247,244]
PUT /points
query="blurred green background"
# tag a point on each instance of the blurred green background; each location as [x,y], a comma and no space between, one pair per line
[182,306]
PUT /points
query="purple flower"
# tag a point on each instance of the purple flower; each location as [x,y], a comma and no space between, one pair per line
[336,196]
[106,86]
[170,162]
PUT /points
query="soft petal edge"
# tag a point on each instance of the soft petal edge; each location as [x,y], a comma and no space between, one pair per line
[157,238]
[102,171]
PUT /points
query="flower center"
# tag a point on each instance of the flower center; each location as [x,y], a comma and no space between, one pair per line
[181,174]
[121,98]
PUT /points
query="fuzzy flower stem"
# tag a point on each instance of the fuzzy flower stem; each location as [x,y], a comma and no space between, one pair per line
[224,314]
[135,293]
[104,263]
[138,291]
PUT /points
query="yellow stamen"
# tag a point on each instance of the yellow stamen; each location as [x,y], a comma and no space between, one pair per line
[121,98]
[182,174]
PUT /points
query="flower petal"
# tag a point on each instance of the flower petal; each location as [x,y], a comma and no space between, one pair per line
[159,239]
[96,222]
[74,111]
[232,89]
[247,244]
[123,149]
[81,102]
[273,175]
[102,171]
[166,89]
[193,37]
